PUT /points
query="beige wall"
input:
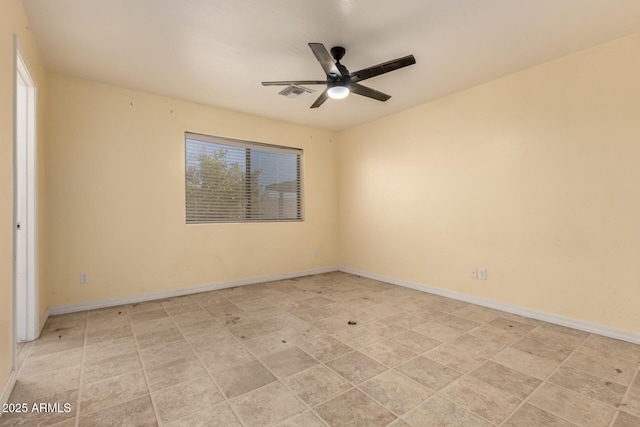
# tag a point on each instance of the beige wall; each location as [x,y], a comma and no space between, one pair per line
[115,173]
[13,21]
[534,176]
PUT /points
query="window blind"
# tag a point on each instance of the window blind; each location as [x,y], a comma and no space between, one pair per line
[229,180]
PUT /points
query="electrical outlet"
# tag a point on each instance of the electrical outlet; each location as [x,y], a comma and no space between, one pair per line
[474,273]
[84,278]
[482,273]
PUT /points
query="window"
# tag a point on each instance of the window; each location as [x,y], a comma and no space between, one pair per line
[239,181]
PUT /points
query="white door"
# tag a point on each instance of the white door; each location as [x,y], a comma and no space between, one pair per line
[26,311]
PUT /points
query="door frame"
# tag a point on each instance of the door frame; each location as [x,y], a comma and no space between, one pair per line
[26,310]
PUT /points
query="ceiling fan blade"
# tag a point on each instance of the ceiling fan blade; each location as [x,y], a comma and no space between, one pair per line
[298,82]
[376,70]
[323,97]
[368,92]
[325,59]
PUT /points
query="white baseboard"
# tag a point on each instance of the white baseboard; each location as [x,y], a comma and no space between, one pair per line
[72,308]
[8,388]
[527,312]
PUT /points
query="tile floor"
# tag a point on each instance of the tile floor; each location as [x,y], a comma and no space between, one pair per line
[282,353]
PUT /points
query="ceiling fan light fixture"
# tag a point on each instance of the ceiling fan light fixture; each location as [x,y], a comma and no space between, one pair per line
[338,92]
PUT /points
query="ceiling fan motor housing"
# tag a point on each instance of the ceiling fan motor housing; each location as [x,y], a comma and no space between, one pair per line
[337,52]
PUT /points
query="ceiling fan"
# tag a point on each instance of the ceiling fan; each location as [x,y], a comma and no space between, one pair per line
[339,81]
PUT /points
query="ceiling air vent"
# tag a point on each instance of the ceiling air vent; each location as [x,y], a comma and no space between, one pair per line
[293,91]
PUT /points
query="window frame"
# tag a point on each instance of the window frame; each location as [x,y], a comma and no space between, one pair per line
[248,145]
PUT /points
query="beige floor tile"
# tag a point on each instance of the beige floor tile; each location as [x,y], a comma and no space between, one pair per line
[511,326]
[197,315]
[429,373]
[222,309]
[491,333]
[150,339]
[439,331]
[437,411]
[625,420]
[395,392]
[243,378]
[117,321]
[478,346]
[105,314]
[312,314]
[249,330]
[108,349]
[356,367]
[612,349]
[301,337]
[548,345]
[416,342]
[448,355]
[354,408]
[530,416]
[219,415]
[115,390]
[111,367]
[208,326]
[266,312]
[154,325]
[478,313]
[211,342]
[571,406]
[573,336]
[146,315]
[34,418]
[265,345]
[587,385]
[506,379]
[458,323]
[331,325]
[53,344]
[102,335]
[38,384]
[48,362]
[267,405]
[631,402]
[22,353]
[481,399]
[306,419]
[288,320]
[185,398]
[536,366]
[178,308]
[318,301]
[620,372]
[141,307]
[388,352]
[66,320]
[71,422]
[174,372]
[166,352]
[288,362]
[137,412]
[316,385]
[224,357]
[230,320]
[385,328]
[357,336]
[409,319]
[412,346]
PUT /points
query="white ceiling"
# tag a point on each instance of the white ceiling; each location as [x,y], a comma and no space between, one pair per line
[217,52]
